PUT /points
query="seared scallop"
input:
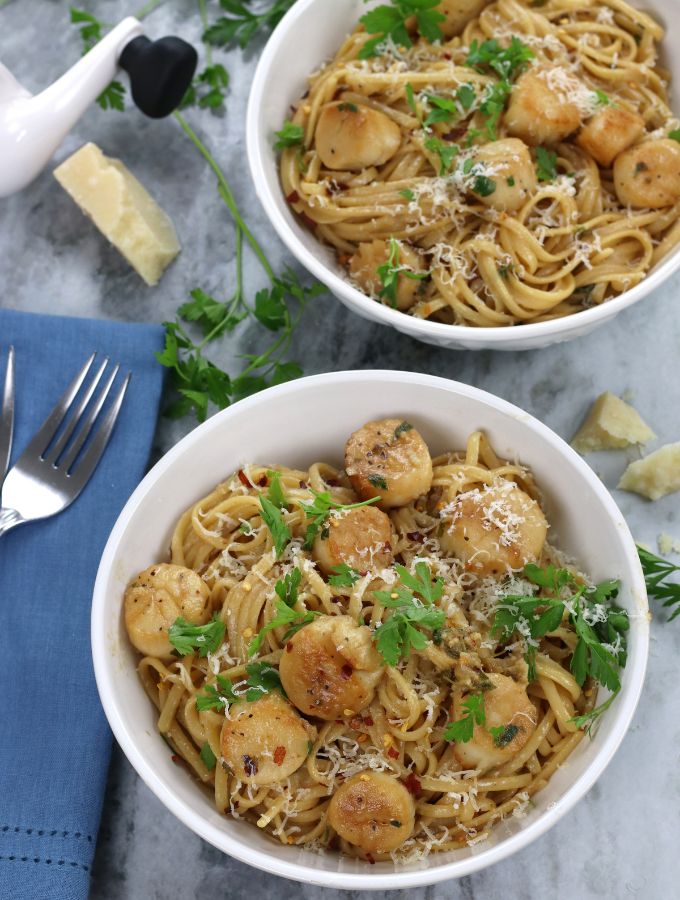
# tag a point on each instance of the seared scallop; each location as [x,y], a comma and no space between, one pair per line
[352,136]
[364,265]
[648,174]
[359,538]
[610,132]
[330,668]
[265,741]
[390,460]
[493,529]
[538,113]
[506,706]
[458,13]
[372,810]
[513,173]
[158,596]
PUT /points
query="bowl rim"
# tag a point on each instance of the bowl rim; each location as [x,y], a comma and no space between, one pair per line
[436,332]
[113,706]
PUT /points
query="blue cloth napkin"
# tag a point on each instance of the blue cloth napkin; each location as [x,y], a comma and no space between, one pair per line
[54,739]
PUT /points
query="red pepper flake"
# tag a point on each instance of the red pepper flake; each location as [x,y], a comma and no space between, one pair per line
[332,482]
[455,134]
[243,478]
[176,759]
[413,786]
[393,753]
[339,722]
[368,721]
[307,220]
[344,259]
[293,197]
[289,647]
[303,485]
[369,857]
[264,481]
[346,672]
[249,765]
[356,722]
[279,755]
[416,536]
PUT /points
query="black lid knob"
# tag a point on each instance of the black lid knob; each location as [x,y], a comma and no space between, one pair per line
[160,73]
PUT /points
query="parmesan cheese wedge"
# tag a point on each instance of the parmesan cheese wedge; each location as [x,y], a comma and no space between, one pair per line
[655,475]
[611,424]
[122,209]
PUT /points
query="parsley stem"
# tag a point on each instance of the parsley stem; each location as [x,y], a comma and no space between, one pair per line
[203,13]
[148,8]
[225,192]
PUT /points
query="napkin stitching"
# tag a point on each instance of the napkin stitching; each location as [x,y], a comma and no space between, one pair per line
[44,833]
[48,862]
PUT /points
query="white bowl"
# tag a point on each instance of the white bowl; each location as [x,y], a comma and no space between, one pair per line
[296,424]
[308,36]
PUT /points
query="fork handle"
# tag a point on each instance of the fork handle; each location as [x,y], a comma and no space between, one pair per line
[9,518]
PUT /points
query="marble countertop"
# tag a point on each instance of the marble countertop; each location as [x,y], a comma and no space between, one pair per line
[621,840]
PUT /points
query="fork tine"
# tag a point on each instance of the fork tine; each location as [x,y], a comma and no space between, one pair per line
[7,416]
[74,419]
[87,423]
[93,454]
[41,440]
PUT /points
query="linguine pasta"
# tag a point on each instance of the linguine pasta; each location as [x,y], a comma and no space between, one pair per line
[501,208]
[355,719]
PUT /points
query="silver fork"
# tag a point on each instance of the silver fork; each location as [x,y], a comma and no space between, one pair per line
[7,417]
[50,474]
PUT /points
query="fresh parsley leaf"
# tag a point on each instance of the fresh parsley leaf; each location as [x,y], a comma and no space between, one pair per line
[241,25]
[275,492]
[395,637]
[506,62]
[318,512]
[674,135]
[208,757]
[343,576]
[208,89]
[389,22]
[91,32]
[402,428]
[491,107]
[658,571]
[446,152]
[217,696]
[407,195]
[263,678]
[287,596]
[213,317]
[273,519]
[546,164]
[290,135]
[390,271]
[186,638]
[378,481]
[462,729]
[348,107]
[483,186]
[587,720]
[504,734]
[466,96]
[602,98]
[510,181]
[442,109]
[245,528]
[112,97]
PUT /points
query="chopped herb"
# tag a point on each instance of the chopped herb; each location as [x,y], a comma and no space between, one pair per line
[657,572]
[241,26]
[218,696]
[505,270]
[446,152]
[378,481]
[411,100]
[407,195]
[641,167]
[504,734]
[466,96]
[388,22]
[412,604]
[546,164]
[395,823]
[186,638]
[484,186]
[245,528]
[263,678]
[287,597]
[587,720]
[602,98]
[462,729]
[493,103]
[467,166]
[208,89]
[506,62]
[674,135]
[402,429]
[443,109]
[510,181]
[208,757]
[291,135]
[273,519]
[390,271]
[343,576]
[319,511]
[348,107]
[275,492]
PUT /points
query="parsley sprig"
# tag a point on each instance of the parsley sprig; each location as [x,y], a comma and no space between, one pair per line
[389,22]
[507,63]
[600,625]
[91,31]
[290,135]
[262,678]
[318,512]
[187,638]
[657,572]
[546,164]
[474,713]
[343,576]
[389,273]
[286,615]
[241,25]
[413,607]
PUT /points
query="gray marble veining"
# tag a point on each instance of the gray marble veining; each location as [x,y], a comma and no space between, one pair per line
[621,840]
